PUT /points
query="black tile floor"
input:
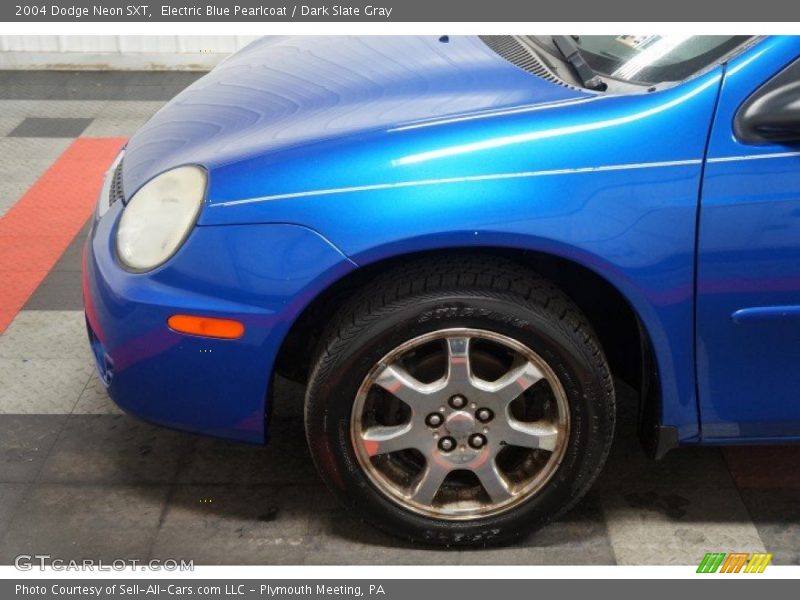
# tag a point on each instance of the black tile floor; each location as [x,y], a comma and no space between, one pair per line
[93,85]
[62,288]
[109,486]
[50,127]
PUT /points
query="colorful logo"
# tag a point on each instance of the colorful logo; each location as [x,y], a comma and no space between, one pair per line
[736,562]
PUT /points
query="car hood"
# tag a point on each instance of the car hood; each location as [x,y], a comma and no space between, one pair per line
[281,93]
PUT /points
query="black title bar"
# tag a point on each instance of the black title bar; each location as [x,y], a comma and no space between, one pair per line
[442,11]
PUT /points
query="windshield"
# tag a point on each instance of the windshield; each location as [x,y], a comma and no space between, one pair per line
[653,59]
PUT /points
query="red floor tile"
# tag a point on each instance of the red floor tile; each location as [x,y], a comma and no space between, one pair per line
[28,252]
[39,227]
[6,316]
[764,467]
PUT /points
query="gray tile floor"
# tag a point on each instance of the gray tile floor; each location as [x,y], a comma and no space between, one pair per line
[79,480]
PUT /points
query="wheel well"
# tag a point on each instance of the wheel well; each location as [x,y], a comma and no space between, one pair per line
[622,336]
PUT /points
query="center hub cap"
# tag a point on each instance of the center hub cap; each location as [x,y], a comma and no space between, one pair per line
[460,423]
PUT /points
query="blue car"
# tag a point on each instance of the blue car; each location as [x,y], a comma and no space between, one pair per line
[459,245]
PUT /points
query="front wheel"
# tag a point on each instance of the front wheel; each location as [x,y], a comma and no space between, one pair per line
[460,401]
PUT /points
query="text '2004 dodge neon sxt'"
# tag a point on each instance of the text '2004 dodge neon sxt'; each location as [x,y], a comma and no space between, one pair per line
[460,245]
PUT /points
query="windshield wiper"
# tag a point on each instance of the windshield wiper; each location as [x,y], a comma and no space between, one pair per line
[585,74]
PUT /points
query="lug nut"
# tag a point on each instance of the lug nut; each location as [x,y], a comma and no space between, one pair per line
[434,420]
[458,402]
[476,440]
[484,415]
[446,444]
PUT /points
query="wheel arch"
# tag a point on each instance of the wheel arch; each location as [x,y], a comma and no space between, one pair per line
[623,333]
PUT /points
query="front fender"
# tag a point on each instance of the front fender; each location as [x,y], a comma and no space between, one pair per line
[611,183]
[658,291]
[260,275]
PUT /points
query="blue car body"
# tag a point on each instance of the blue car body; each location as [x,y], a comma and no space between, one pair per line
[328,155]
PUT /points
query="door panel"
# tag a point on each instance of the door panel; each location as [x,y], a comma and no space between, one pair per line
[748,272]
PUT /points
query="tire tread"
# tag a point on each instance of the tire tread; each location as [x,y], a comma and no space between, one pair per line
[477,274]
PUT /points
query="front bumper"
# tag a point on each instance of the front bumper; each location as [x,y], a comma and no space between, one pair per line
[260,275]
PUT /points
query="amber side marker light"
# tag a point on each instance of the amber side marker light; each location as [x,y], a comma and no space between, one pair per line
[225,329]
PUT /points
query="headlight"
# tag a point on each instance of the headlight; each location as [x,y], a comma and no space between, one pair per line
[159,217]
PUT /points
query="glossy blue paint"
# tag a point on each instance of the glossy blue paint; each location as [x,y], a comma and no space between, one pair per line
[749,269]
[261,275]
[282,94]
[328,154]
[762,314]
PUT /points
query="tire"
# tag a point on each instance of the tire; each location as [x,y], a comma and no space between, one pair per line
[508,315]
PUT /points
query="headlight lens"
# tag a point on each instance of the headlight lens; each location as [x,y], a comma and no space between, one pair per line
[158,218]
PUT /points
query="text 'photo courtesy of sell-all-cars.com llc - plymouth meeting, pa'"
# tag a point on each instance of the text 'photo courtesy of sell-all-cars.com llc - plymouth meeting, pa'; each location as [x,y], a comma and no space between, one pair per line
[454,242]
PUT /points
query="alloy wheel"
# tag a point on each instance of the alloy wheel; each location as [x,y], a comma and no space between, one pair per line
[460,424]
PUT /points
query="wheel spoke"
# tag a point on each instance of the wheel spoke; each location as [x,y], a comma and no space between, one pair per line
[399,382]
[538,434]
[508,388]
[429,482]
[493,481]
[385,439]
[458,367]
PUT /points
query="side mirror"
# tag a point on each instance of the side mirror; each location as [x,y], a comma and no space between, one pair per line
[772,113]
